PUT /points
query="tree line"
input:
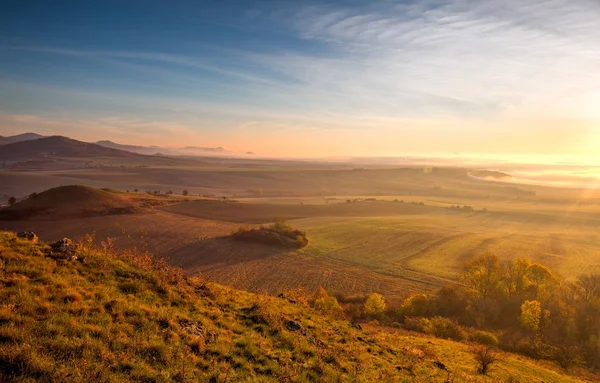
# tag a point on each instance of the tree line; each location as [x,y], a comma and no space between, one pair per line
[516,305]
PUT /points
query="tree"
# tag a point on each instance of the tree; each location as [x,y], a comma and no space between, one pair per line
[375,305]
[485,357]
[483,275]
[531,313]
[589,286]
[515,279]
[12,201]
[540,277]
[185,192]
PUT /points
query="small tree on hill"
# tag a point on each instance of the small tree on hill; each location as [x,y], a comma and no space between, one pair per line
[12,201]
[375,305]
[185,192]
[485,356]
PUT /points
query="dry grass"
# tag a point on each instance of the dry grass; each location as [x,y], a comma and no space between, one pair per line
[124,317]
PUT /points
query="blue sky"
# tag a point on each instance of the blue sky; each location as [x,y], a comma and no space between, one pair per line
[307,78]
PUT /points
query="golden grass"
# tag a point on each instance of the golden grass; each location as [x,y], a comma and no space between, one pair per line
[121,317]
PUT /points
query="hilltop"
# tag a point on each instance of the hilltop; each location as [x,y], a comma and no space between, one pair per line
[101,316]
[58,146]
[71,201]
[19,138]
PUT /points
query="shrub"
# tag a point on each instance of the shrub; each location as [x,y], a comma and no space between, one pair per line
[417,305]
[445,328]
[326,303]
[375,305]
[484,338]
[417,324]
[280,233]
[12,201]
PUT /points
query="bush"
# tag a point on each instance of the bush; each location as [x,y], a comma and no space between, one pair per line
[445,328]
[326,303]
[417,305]
[280,233]
[417,324]
[484,338]
[375,305]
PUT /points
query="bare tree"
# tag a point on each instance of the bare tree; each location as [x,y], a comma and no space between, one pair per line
[485,357]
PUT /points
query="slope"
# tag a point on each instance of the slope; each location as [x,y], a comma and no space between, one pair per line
[19,138]
[126,317]
[69,202]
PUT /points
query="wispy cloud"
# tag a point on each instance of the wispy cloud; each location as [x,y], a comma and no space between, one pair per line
[468,72]
[455,56]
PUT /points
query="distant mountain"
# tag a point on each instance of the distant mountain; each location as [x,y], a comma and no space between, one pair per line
[19,138]
[152,150]
[203,149]
[148,150]
[58,146]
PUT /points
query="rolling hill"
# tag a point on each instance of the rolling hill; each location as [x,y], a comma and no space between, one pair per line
[58,146]
[72,201]
[101,316]
[156,150]
[19,138]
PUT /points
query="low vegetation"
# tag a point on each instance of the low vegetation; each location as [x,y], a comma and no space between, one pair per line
[103,316]
[280,233]
[518,306]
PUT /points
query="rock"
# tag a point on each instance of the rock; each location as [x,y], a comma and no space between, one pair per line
[64,249]
[293,325]
[30,235]
[356,325]
[440,365]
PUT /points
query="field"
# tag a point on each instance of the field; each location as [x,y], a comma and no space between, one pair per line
[389,230]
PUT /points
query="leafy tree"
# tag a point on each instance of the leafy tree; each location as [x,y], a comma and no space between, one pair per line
[483,275]
[515,276]
[12,201]
[540,277]
[531,313]
[375,305]
[185,192]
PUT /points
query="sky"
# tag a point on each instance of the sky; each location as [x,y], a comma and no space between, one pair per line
[308,78]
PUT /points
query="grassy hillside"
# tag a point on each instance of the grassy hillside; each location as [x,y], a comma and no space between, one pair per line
[70,202]
[125,317]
